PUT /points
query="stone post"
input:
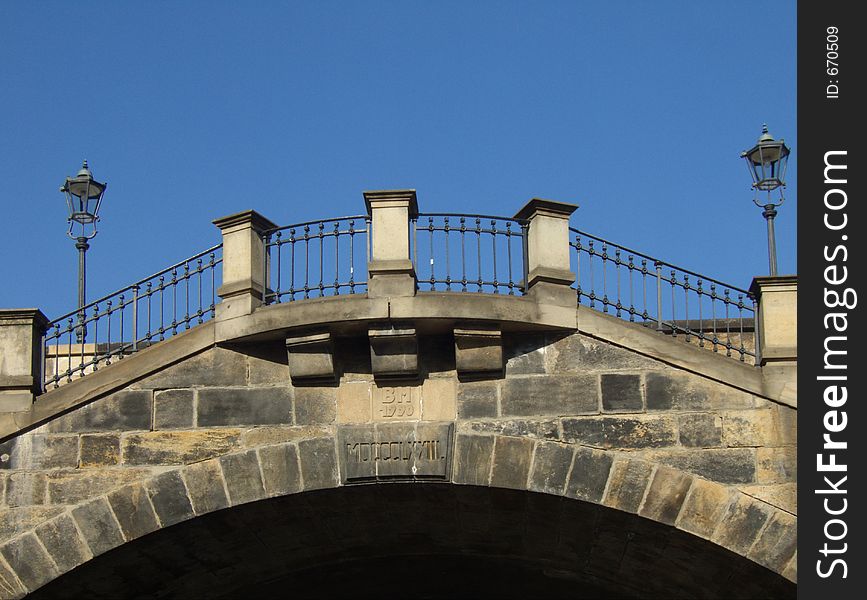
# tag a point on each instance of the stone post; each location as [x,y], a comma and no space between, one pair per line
[390,270]
[21,333]
[548,272]
[244,262]
[777,299]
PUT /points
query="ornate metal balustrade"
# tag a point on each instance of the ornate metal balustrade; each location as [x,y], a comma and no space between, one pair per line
[637,287]
[318,258]
[132,318]
[470,253]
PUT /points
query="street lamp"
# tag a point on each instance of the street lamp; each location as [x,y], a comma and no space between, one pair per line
[767,162]
[83,198]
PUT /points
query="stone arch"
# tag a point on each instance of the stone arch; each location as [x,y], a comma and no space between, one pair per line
[613,481]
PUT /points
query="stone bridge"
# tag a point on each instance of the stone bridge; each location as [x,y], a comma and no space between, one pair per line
[399,441]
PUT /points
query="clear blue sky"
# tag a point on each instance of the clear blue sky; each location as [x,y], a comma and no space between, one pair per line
[636,111]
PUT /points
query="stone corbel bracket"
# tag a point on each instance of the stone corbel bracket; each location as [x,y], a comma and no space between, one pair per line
[393,352]
[478,351]
[311,358]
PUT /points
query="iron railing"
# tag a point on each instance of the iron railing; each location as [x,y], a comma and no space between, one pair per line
[301,259]
[470,253]
[132,318]
[637,287]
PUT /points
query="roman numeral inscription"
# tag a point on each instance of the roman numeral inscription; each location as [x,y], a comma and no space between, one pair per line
[395,451]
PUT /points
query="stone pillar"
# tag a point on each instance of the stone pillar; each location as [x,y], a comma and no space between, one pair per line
[390,270]
[20,357]
[244,272]
[549,277]
[777,328]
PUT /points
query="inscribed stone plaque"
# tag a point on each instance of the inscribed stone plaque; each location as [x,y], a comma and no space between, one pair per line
[388,451]
[396,403]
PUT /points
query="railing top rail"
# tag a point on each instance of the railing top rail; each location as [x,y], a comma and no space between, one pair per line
[657,261]
[473,216]
[138,283]
[268,232]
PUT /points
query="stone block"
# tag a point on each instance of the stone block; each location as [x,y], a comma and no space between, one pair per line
[790,572]
[672,390]
[269,365]
[178,447]
[782,495]
[473,455]
[749,428]
[173,409]
[396,403]
[25,489]
[128,410]
[169,498]
[700,430]
[550,395]
[778,542]
[16,520]
[206,487]
[243,477]
[244,406]
[353,402]
[725,465]
[621,393]
[511,462]
[438,400]
[777,465]
[97,524]
[576,353]
[393,352]
[133,511]
[315,405]
[551,464]
[266,436]
[280,471]
[318,461]
[61,539]
[39,451]
[71,487]
[621,432]
[215,367]
[357,451]
[477,399]
[99,450]
[705,505]
[311,357]
[29,560]
[626,484]
[524,354]
[590,470]
[665,496]
[478,350]
[540,429]
[741,524]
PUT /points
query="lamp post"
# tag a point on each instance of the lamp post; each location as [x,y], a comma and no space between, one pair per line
[83,198]
[767,162]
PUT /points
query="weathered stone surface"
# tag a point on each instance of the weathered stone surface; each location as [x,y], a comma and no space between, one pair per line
[19,519]
[214,367]
[511,462]
[473,454]
[791,570]
[242,476]
[750,428]
[99,449]
[626,484]
[353,402]
[549,395]
[244,406]
[777,465]
[524,354]
[670,390]
[310,357]
[778,542]
[589,475]
[621,432]
[725,465]
[315,405]
[98,526]
[579,354]
[543,429]
[61,539]
[318,463]
[700,430]
[705,505]
[133,511]
[178,447]
[269,365]
[393,351]
[395,402]
[665,496]
[266,436]
[438,400]
[478,350]
[551,464]
[621,393]
[169,498]
[782,495]
[206,486]
[71,487]
[30,562]
[38,451]
[128,410]
[280,472]
[356,449]
[477,399]
[741,524]
[173,409]
[24,489]
[10,585]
